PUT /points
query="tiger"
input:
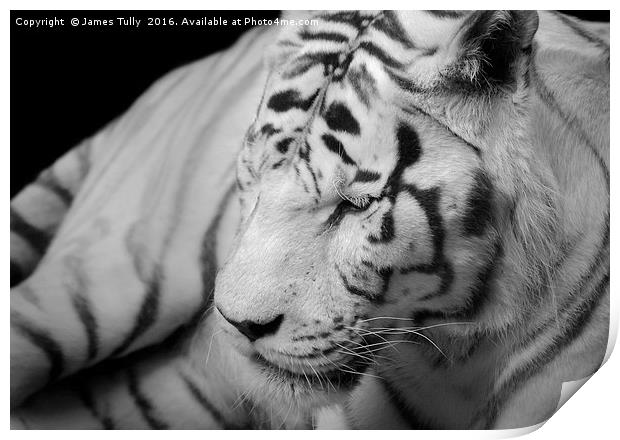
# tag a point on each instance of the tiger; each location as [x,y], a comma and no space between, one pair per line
[375,220]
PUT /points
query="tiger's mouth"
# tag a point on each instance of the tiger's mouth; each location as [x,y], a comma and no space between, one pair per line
[340,377]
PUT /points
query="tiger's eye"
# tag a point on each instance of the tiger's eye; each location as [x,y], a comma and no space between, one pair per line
[359,203]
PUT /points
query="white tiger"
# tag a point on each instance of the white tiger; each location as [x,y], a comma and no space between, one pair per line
[423,238]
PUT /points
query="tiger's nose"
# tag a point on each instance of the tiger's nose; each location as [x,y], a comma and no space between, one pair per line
[256,330]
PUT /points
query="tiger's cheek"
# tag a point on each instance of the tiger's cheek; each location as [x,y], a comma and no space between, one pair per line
[407,289]
[413,237]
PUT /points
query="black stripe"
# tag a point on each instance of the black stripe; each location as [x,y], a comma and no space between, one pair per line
[428,52]
[405,84]
[446,274]
[573,123]
[429,202]
[301,66]
[385,274]
[336,146]
[481,289]
[283,145]
[339,118]
[583,33]
[576,318]
[269,130]
[386,232]
[388,24]
[416,110]
[290,99]
[377,52]
[363,84]
[366,176]
[44,341]
[328,36]
[278,164]
[329,60]
[89,402]
[570,333]
[35,237]
[410,415]
[251,134]
[338,214]
[208,253]
[149,309]
[199,396]
[48,180]
[474,343]
[83,308]
[78,287]
[304,153]
[479,293]
[298,174]
[576,291]
[370,296]
[17,275]
[601,260]
[340,68]
[143,403]
[548,97]
[409,152]
[479,206]
[314,180]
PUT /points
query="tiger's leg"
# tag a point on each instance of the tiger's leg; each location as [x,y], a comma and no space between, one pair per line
[66,316]
[159,388]
[38,209]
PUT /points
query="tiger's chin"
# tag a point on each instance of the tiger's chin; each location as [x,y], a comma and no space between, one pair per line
[305,390]
[275,388]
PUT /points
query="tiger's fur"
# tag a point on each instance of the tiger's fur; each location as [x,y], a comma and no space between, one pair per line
[424,205]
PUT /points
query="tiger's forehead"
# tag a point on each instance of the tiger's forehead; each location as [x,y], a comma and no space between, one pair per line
[394,38]
[332,67]
[330,94]
[412,29]
[326,97]
[362,50]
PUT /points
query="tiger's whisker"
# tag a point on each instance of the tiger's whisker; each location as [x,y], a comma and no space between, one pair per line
[358,329]
[413,332]
[361,373]
[316,374]
[210,346]
[353,353]
[385,317]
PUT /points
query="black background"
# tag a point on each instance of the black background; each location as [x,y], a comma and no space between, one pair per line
[67,82]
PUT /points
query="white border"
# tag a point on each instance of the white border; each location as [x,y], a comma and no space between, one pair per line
[592,412]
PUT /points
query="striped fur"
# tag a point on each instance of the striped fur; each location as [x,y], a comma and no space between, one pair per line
[81,305]
[424,228]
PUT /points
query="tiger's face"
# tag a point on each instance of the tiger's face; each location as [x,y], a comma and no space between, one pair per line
[361,207]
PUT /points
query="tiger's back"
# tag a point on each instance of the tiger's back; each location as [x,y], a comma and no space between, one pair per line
[136,253]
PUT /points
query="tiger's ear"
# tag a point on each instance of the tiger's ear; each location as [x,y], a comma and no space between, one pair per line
[493,43]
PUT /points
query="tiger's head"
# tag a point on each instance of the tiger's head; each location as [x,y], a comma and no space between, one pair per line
[386,181]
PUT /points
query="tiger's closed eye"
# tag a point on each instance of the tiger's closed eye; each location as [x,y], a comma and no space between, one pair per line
[348,204]
[359,203]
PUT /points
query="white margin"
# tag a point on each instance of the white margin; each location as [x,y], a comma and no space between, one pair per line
[591,413]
